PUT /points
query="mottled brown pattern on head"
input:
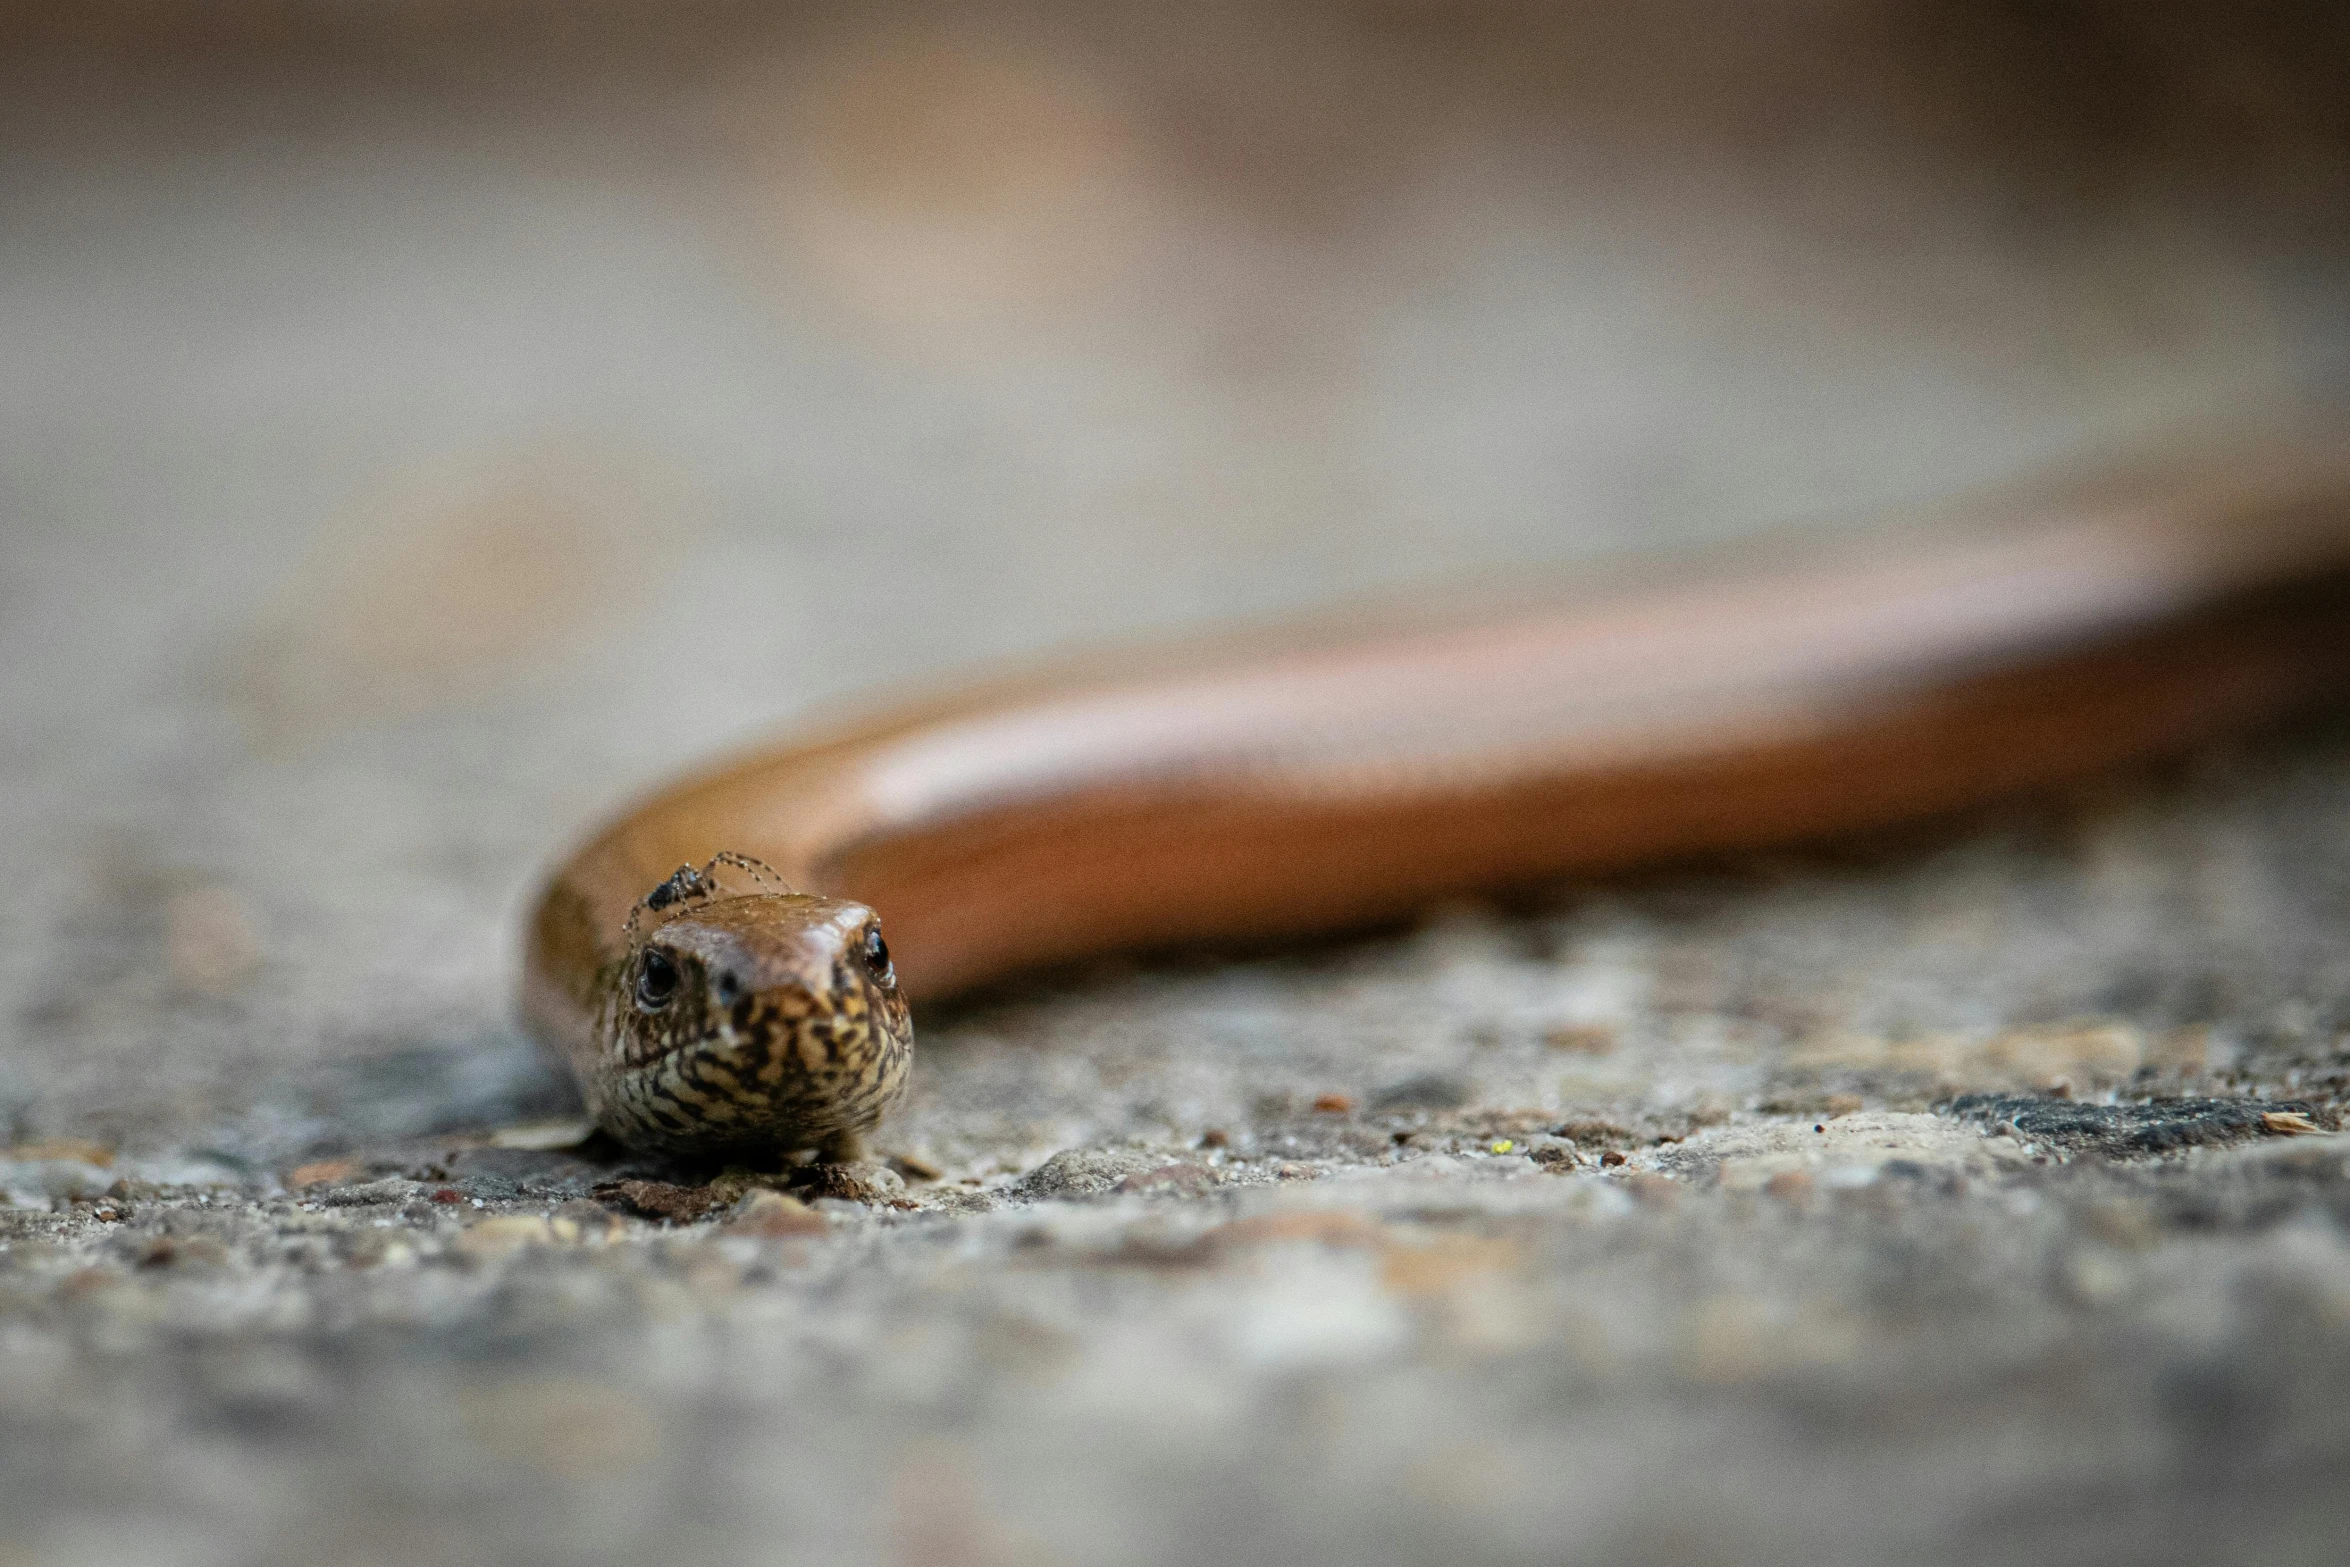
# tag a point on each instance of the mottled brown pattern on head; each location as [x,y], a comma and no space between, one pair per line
[747,1021]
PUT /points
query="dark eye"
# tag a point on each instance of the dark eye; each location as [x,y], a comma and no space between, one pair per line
[656,980]
[876,952]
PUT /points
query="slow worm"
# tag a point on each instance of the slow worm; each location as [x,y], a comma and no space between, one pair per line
[711,964]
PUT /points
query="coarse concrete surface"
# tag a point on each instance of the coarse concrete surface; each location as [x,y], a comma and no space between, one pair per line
[422,426]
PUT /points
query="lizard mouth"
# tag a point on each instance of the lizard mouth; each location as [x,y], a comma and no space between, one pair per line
[792,1079]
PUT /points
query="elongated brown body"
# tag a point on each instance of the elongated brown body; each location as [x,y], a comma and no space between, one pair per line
[1339,777]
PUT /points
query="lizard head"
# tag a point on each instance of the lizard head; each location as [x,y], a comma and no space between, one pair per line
[750,1020]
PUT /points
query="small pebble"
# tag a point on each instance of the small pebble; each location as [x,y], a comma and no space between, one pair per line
[770,1214]
[661,1199]
[495,1237]
[1654,1189]
[1789,1185]
[322,1172]
[1169,1178]
[914,1167]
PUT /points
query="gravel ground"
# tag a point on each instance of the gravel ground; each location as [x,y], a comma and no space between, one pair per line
[421,434]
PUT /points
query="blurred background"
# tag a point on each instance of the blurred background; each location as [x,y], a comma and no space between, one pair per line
[425,422]
[422,423]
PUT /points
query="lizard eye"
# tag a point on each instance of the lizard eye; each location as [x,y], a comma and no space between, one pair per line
[656,980]
[876,955]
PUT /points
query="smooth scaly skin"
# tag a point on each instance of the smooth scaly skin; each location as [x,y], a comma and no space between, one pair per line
[773,1028]
[1324,781]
